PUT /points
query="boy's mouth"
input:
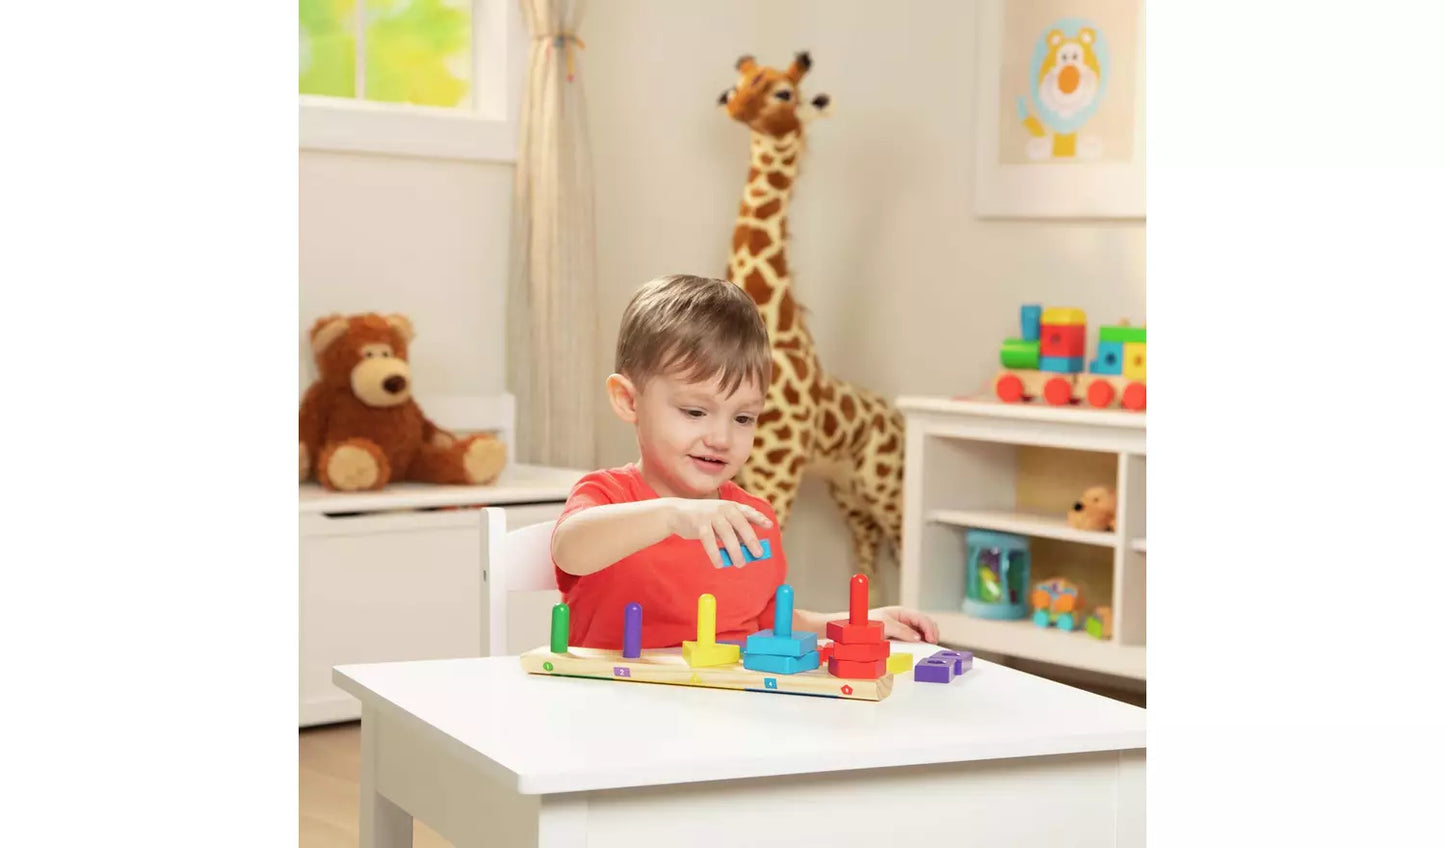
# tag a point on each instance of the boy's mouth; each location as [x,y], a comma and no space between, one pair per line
[707,460]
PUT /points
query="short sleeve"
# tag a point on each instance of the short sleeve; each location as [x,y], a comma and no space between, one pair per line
[594,489]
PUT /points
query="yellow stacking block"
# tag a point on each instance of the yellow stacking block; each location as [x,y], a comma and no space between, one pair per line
[1134,361]
[701,656]
[1063,315]
[899,662]
[706,651]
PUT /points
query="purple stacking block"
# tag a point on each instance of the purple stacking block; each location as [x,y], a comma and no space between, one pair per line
[962,660]
[934,669]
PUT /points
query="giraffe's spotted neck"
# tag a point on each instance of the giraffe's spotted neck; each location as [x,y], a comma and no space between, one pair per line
[759,250]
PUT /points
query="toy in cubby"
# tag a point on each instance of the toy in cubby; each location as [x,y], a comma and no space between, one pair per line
[1100,624]
[1055,603]
[1048,362]
[996,575]
[857,664]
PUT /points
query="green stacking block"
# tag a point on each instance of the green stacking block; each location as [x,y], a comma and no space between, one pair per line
[1017,353]
[1121,334]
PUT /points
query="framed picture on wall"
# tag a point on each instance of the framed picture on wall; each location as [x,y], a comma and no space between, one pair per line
[1060,109]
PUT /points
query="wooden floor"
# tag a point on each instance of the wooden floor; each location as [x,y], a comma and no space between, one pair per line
[330,781]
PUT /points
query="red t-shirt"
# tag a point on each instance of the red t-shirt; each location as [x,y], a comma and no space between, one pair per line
[668,577]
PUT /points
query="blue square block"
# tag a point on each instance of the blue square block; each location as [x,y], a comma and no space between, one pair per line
[780,665]
[747,554]
[1110,359]
[796,645]
[1062,364]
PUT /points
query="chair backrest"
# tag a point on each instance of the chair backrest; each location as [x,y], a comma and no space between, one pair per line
[518,560]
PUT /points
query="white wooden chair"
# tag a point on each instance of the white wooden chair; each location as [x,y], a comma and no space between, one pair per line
[516,561]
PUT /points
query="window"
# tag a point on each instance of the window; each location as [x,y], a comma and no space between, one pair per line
[438,78]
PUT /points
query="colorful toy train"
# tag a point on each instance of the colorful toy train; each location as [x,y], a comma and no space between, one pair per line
[1048,362]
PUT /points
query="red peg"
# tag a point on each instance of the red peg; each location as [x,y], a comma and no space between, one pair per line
[858,599]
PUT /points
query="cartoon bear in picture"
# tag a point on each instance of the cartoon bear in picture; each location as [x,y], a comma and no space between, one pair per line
[360,426]
[1069,69]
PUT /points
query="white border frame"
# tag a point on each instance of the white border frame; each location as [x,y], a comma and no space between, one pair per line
[1036,191]
[487,132]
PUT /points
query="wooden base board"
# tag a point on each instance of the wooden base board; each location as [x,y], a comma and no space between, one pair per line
[666,665]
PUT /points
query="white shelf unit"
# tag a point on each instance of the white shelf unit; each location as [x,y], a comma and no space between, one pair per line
[962,471]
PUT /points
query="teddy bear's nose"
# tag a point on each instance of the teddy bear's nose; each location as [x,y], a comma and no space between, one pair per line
[394,384]
[1078,506]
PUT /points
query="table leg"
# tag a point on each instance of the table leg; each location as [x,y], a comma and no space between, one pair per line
[383,823]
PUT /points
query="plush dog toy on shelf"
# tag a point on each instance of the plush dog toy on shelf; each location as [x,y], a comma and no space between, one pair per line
[1095,510]
[360,426]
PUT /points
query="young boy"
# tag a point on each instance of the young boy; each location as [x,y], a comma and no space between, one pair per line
[692,368]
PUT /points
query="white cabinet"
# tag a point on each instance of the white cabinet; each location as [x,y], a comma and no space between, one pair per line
[1016,468]
[397,575]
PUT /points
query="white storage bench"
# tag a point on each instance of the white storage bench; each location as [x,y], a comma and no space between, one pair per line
[397,574]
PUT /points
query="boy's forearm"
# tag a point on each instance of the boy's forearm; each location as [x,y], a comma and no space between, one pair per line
[808,621]
[595,538]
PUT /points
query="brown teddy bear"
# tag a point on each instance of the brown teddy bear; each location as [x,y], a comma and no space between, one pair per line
[360,426]
[1095,510]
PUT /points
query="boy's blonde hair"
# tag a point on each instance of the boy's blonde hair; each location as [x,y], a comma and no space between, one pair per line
[696,328]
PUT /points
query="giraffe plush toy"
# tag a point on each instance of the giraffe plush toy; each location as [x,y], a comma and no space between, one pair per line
[812,422]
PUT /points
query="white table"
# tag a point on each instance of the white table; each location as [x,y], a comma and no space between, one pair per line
[488,755]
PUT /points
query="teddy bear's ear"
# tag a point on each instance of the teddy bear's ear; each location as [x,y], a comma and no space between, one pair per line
[402,325]
[325,331]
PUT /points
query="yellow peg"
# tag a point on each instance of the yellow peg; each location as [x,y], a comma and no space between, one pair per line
[706,651]
[706,620]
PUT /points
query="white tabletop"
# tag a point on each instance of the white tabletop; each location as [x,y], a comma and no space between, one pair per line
[549,734]
[516,484]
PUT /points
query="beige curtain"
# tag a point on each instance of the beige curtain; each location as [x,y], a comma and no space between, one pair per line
[552,293]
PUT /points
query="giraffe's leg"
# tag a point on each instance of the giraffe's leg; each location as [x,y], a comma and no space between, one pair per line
[867,535]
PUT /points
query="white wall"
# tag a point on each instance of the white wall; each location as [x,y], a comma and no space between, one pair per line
[908,293]
[424,237]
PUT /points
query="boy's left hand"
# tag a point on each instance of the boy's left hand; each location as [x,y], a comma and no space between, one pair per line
[906,625]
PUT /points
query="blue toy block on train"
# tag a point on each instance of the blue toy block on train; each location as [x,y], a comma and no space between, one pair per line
[780,650]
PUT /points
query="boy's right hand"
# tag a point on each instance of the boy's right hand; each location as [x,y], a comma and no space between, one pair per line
[715,522]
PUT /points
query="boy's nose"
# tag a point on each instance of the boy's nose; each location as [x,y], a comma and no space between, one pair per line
[716,437]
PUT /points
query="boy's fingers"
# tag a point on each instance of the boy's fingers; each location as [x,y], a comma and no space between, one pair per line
[709,544]
[747,536]
[729,540]
[755,516]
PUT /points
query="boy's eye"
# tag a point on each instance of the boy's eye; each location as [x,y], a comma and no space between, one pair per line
[694,413]
[745,419]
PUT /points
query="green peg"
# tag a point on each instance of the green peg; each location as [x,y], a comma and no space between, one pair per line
[561,624]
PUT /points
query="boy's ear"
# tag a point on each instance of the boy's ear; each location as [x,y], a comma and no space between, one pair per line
[623,395]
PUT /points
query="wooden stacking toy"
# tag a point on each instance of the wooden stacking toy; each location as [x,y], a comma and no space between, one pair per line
[857,664]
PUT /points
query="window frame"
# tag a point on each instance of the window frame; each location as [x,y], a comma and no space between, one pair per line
[485,129]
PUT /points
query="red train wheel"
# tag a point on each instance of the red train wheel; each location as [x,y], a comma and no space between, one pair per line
[1058,392]
[1134,396]
[1101,394]
[1009,388]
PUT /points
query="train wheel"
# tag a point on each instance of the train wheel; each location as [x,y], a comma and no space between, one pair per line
[1009,388]
[1066,621]
[1101,394]
[1058,392]
[1134,396]
[1041,618]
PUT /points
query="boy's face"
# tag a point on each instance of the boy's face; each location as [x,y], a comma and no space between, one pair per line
[692,435]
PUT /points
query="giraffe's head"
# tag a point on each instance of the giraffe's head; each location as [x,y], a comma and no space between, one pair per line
[768,100]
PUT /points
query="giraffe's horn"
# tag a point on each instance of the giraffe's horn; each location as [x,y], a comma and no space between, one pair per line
[745,62]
